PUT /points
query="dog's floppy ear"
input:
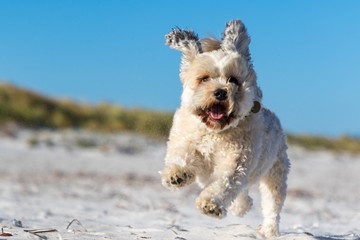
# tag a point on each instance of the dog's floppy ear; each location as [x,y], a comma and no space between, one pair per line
[185,41]
[235,38]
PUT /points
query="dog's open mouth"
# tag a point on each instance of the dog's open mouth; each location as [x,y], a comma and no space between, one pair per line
[216,116]
[217,111]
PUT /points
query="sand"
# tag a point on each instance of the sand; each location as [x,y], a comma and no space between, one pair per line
[110,184]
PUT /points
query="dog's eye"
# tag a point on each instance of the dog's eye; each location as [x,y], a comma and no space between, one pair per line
[204,79]
[233,80]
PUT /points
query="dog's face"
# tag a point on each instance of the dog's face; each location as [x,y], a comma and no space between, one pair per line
[218,89]
[218,79]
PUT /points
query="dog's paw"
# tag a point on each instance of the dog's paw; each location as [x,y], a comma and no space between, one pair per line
[176,176]
[268,231]
[210,207]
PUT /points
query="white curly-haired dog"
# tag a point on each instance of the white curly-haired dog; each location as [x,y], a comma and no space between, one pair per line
[221,135]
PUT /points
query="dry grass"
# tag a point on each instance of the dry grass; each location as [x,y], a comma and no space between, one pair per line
[341,144]
[31,109]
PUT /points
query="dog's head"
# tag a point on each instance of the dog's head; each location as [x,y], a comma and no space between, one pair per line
[219,82]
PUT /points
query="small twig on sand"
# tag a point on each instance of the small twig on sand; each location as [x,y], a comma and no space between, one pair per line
[46,230]
[78,222]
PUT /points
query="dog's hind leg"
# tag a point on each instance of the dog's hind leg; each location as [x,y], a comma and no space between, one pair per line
[241,204]
[273,193]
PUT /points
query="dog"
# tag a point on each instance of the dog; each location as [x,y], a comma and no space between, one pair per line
[222,136]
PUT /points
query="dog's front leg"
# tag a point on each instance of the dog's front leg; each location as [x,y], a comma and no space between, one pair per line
[180,164]
[231,178]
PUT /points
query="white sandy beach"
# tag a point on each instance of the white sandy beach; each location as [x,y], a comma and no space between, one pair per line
[111,185]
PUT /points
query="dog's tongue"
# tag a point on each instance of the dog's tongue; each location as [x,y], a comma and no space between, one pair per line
[217,112]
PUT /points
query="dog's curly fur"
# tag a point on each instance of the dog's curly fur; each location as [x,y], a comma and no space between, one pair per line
[221,135]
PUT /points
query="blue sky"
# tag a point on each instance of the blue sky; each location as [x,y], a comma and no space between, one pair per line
[306,53]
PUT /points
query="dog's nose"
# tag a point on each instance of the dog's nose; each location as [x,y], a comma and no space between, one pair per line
[220,94]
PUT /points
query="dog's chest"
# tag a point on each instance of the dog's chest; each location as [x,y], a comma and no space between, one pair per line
[207,145]
[212,145]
